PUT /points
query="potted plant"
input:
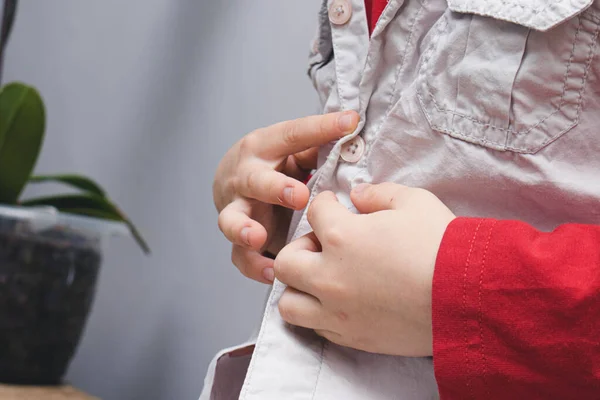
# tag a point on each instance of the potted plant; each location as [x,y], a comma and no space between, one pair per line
[50,247]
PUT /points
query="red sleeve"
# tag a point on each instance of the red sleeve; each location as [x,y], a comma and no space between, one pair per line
[516,311]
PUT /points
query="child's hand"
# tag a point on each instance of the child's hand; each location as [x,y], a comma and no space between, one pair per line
[262,170]
[364,281]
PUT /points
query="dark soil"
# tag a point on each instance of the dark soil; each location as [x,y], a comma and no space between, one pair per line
[47,285]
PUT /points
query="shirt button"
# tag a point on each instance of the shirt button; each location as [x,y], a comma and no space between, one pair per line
[353,149]
[340,12]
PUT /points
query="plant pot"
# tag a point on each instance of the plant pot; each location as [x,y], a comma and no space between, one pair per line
[49,263]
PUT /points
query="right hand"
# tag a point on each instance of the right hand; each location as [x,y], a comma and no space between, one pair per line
[259,182]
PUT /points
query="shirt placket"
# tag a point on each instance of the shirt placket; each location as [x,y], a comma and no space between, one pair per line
[357,58]
[294,355]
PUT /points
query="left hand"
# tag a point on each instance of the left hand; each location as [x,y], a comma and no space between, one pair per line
[365,281]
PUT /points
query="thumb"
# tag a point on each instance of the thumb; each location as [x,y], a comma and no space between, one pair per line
[372,198]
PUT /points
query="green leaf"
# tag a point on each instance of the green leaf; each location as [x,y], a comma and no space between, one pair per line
[6,24]
[8,18]
[22,124]
[76,181]
[90,205]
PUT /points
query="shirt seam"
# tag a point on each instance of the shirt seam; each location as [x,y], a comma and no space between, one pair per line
[480,310]
[464,306]
[324,347]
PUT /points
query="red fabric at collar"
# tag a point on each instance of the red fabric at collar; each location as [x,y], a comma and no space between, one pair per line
[374,9]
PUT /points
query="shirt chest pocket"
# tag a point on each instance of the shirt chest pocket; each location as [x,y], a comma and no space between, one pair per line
[505,74]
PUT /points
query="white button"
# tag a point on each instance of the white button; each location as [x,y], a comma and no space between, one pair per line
[353,150]
[340,12]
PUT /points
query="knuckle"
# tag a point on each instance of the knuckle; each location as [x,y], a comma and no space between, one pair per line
[291,133]
[273,189]
[330,288]
[236,183]
[286,308]
[420,195]
[327,123]
[334,288]
[247,143]
[226,226]
[315,204]
[280,266]
[333,236]
[232,232]
[252,180]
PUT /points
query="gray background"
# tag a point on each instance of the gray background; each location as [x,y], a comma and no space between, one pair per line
[146,96]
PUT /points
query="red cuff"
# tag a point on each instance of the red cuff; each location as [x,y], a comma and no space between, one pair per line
[456,305]
[516,311]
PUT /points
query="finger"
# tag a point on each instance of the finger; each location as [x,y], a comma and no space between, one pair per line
[290,137]
[301,309]
[308,242]
[298,265]
[252,264]
[239,228]
[385,196]
[293,170]
[325,215]
[307,159]
[273,187]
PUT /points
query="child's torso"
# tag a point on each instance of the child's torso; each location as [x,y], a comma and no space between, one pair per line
[492,105]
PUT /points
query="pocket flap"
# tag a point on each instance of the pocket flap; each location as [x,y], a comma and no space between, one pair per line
[540,15]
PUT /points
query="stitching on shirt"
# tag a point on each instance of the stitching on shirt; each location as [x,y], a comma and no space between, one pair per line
[592,15]
[337,73]
[440,27]
[489,125]
[587,69]
[490,143]
[528,149]
[512,3]
[464,302]
[534,11]
[402,62]
[259,339]
[480,313]
[321,361]
[504,15]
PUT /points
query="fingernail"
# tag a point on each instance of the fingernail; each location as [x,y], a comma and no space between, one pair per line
[288,195]
[361,188]
[346,122]
[246,235]
[268,274]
